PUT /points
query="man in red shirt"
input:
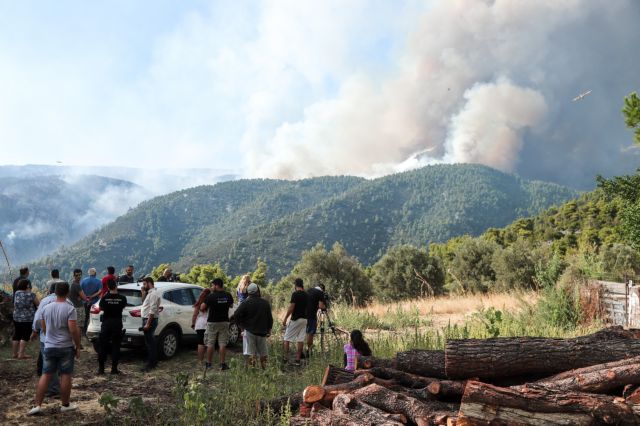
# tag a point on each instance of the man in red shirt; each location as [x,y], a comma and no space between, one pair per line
[110,276]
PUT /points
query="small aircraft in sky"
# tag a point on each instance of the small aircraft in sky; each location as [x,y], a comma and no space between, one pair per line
[580,96]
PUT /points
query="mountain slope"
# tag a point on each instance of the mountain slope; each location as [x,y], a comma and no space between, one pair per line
[236,222]
[39,214]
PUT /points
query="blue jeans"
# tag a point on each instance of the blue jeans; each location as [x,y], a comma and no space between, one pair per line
[58,360]
[54,384]
[150,342]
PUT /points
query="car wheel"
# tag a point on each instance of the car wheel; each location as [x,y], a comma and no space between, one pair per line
[234,334]
[168,343]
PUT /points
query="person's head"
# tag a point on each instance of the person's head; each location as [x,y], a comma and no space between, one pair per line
[298,284]
[92,272]
[203,296]
[253,290]
[244,283]
[147,283]
[24,272]
[112,285]
[23,285]
[358,342]
[129,270]
[167,273]
[217,284]
[55,273]
[62,289]
[77,274]
[111,270]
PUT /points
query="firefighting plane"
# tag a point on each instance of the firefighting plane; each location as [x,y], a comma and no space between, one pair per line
[581,95]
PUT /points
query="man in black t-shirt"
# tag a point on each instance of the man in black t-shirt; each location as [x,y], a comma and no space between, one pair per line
[111,305]
[218,303]
[317,301]
[295,329]
[128,275]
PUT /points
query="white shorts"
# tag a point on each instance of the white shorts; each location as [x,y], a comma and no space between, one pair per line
[296,330]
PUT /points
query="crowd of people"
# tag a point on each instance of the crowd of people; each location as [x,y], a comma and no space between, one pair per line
[60,319]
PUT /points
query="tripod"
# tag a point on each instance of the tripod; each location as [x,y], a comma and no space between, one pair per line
[324,322]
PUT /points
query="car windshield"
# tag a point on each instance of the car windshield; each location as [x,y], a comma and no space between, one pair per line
[134,297]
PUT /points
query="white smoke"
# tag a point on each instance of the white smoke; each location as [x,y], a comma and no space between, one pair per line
[471,82]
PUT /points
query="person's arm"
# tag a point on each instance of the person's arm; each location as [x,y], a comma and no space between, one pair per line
[75,335]
[83,296]
[43,326]
[36,301]
[269,320]
[290,309]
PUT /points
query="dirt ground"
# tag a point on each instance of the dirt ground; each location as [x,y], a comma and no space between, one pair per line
[18,380]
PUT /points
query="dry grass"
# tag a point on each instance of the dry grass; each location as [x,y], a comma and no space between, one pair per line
[454,309]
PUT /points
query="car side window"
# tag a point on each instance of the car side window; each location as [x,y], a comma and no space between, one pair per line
[182,297]
[168,296]
[196,293]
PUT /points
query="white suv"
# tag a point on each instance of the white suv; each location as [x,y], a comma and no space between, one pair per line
[174,321]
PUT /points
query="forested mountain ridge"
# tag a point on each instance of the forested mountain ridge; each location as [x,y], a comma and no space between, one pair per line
[235,223]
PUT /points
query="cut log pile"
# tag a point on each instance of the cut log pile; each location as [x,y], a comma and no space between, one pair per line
[587,380]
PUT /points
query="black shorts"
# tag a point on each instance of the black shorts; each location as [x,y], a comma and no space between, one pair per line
[22,331]
[200,337]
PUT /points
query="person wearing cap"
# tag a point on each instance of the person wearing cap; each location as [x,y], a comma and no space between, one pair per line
[254,317]
[296,328]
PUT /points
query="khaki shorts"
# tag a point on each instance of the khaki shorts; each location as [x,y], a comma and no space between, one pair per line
[256,345]
[217,332]
[296,330]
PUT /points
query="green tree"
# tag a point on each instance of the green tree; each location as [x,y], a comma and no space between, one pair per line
[620,262]
[203,274]
[631,113]
[407,272]
[342,275]
[514,267]
[259,276]
[471,267]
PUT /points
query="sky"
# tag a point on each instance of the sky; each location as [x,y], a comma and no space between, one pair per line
[293,88]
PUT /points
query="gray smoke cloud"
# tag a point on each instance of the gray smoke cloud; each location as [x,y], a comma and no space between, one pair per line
[488,82]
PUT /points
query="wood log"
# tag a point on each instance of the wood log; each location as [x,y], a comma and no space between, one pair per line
[322,416]
[405,379]
[370,362]
[313,394]
[422,362]
[348,405]
[334,375]
[537,357]
[487,404]
[278,405]
[326,394]
[601,378]
[418,412]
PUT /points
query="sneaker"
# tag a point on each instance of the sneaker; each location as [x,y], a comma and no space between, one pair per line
[35,410]
[70,407]
[223,367]
[207,365]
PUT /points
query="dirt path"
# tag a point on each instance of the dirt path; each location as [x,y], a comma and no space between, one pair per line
[136,391]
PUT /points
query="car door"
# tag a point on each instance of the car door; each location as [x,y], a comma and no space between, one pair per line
[183,308]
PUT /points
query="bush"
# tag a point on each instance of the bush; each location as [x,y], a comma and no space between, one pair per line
[514,267]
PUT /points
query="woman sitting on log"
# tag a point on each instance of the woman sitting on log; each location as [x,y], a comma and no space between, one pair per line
[357,347]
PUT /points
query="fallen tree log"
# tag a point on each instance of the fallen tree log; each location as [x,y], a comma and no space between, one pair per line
[326,394]
[601,378]
[487,404]
[348,405]
[371,362]
[536,357]
[334,375]
[422,362]
[407,380]
[418,412]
